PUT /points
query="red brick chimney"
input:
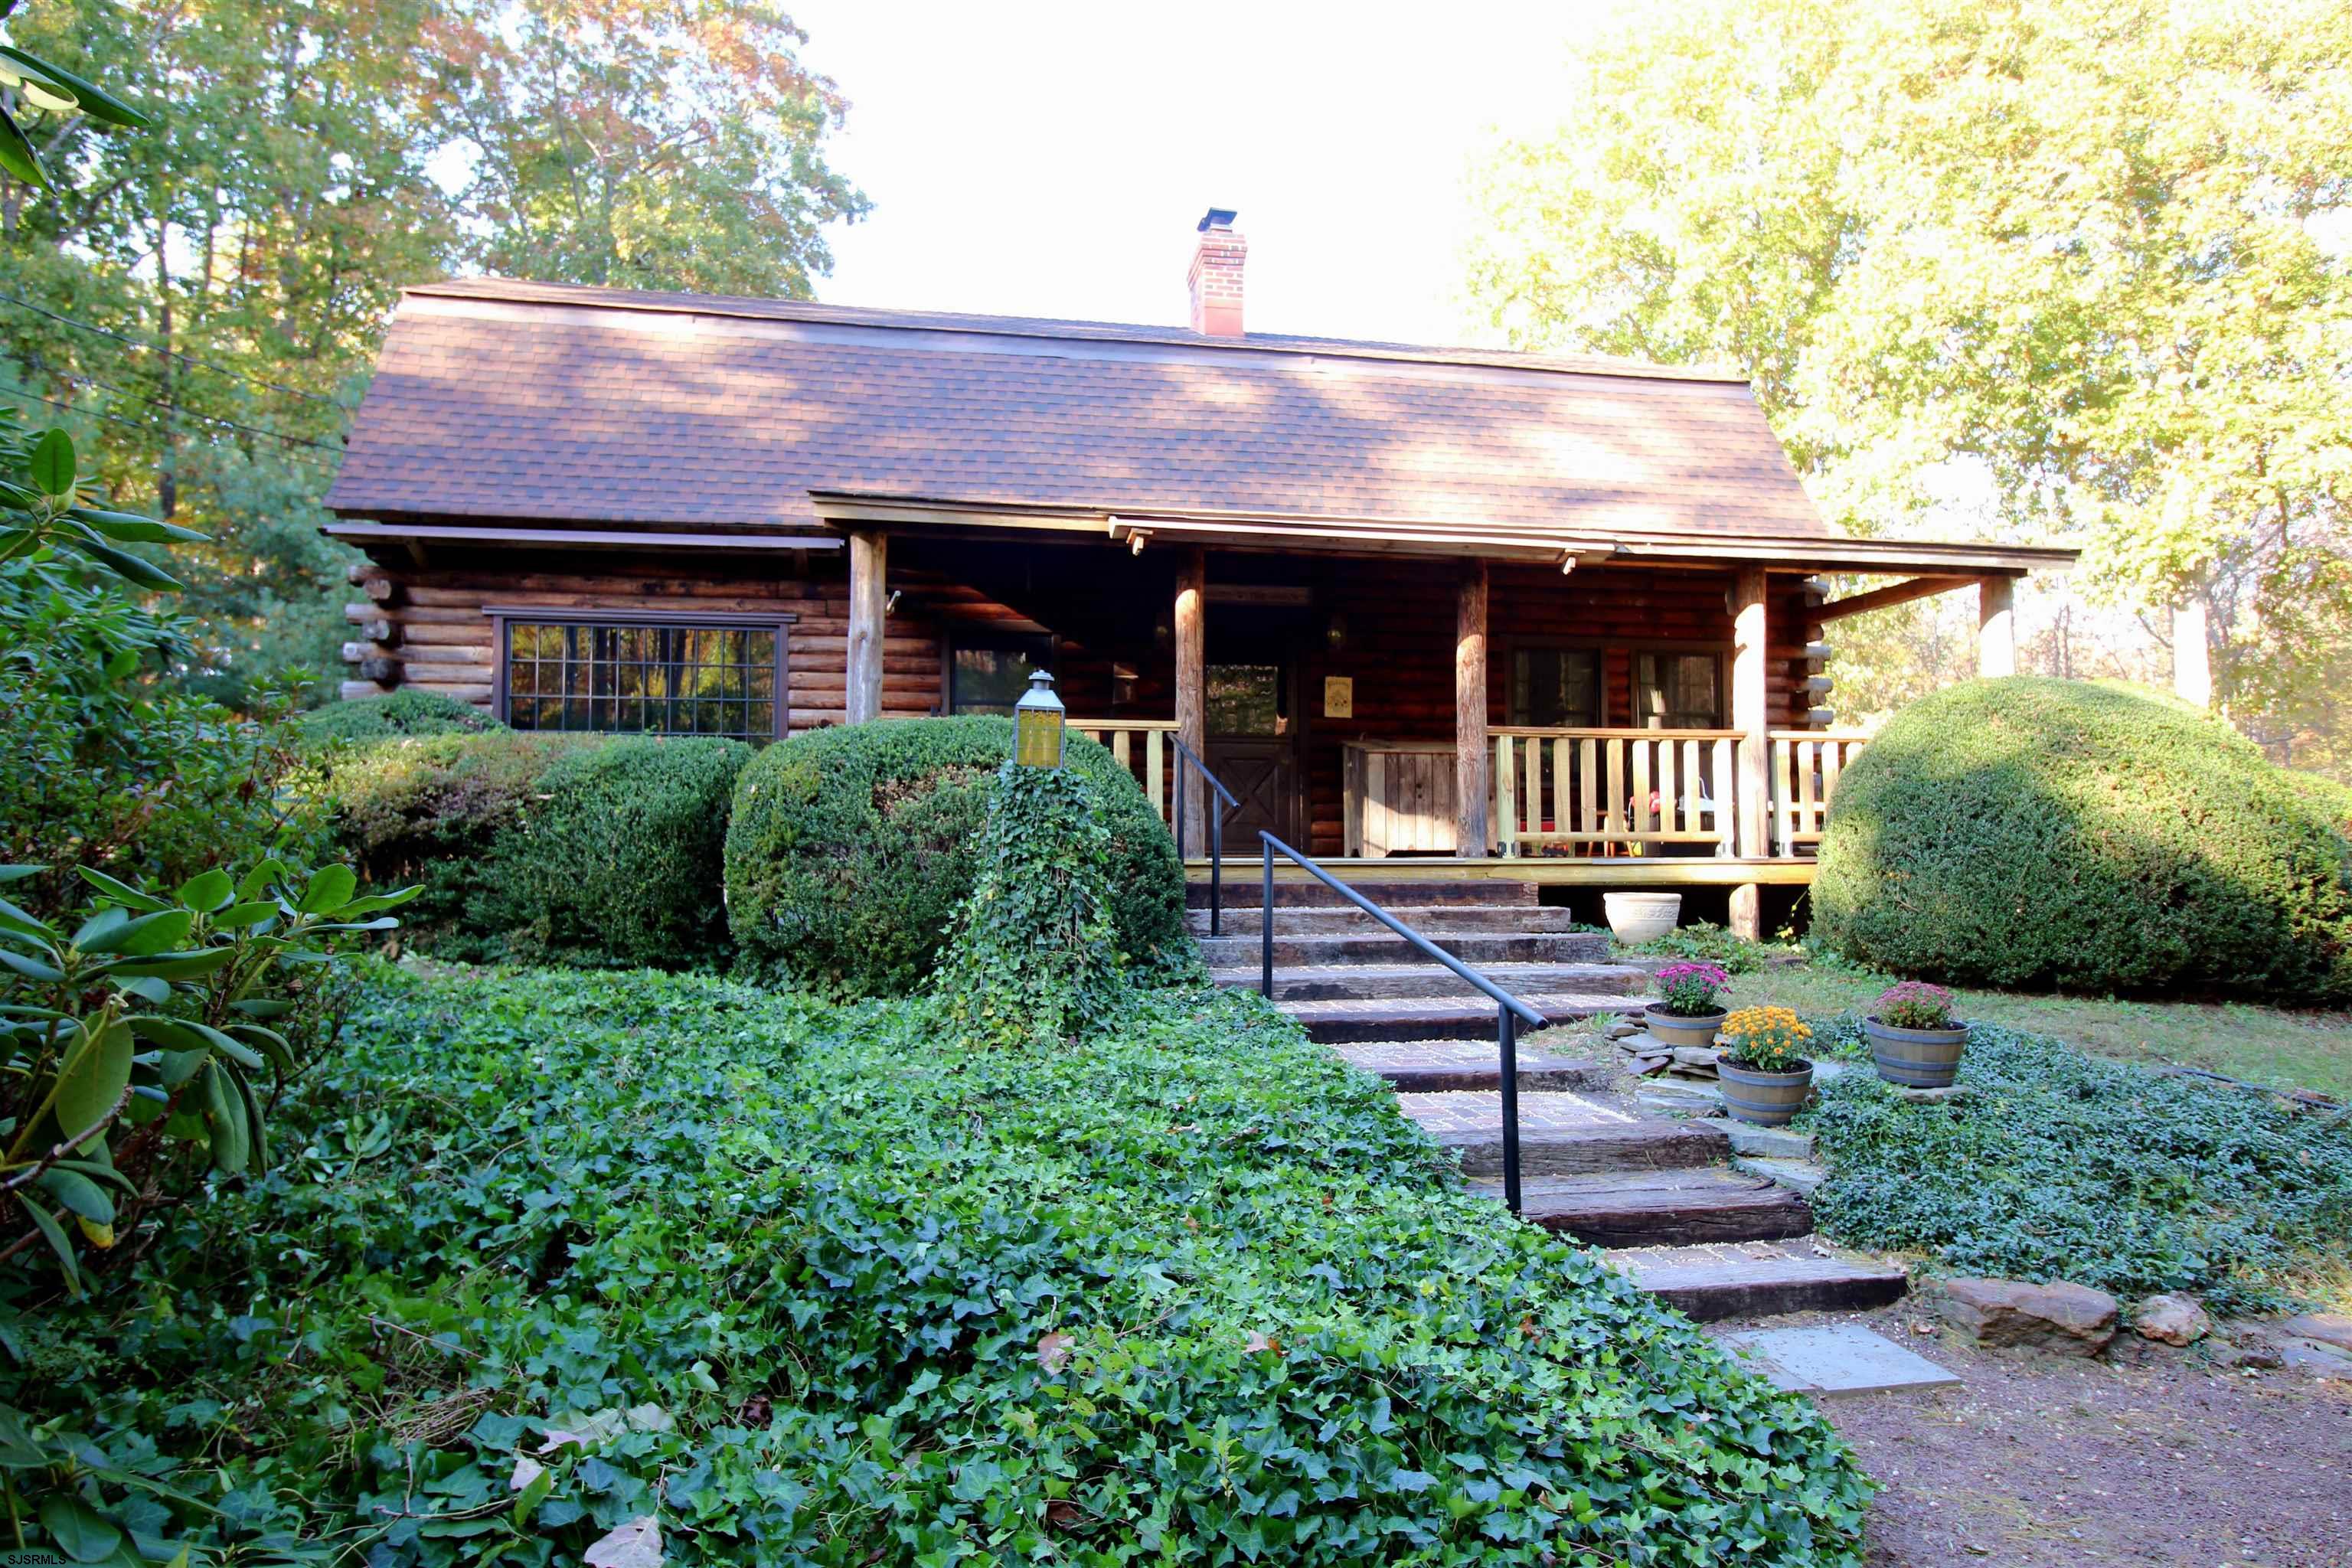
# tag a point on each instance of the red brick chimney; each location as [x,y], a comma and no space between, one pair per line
[1217,277]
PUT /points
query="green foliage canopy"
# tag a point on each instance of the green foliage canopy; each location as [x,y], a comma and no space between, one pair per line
[2096,255]
[2036,832]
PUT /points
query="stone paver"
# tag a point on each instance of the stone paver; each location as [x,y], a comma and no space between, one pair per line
[1799,1176]
[1836,1359]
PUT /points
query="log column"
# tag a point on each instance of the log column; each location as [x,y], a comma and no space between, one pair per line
[1192,692]
[1751,715]
[1471,836]
[869,552]
[1997,626]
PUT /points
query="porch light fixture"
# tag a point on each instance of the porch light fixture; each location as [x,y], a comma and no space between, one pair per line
[1335,632]
[1038,720]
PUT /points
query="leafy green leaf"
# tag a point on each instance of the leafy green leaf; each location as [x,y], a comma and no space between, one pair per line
[78,1194]
[329,889]
[225,1118]
[140,938]
[53,1234]
[80,1532]
[123,565]
[238,917]
[17,154]
[18,873]
[52,463]
[30,968]
[92,1078]
[207,890]
[123,892]
[94,101]
[173,965]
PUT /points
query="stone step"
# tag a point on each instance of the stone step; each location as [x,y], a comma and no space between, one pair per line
[1429,1067]
[1560,1133]
[1437,1017]
[1242,891]
[1758,1279]
[1387,947]
[1678,1207]
[1428,919]
[1344,982]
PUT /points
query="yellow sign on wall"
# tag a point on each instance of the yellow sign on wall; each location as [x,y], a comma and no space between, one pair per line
[1338,697]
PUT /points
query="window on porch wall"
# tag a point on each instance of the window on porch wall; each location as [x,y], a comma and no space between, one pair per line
[1556,687]
[1678,690]
[987,673]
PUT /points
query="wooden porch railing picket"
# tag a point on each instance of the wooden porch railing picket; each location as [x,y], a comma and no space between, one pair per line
[1805,765]
[1141,746]
[1613,790]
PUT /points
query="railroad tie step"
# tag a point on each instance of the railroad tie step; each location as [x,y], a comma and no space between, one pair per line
[1414,977]
[1241,887]
[1437,1067]
[1683,1207]
[1562,1133]
[1470,1018]
[1378,945]
[1759,1279]
[1430,919]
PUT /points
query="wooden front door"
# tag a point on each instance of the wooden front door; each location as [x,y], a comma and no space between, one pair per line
[1252,723]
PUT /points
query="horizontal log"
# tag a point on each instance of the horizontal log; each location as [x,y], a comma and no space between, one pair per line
[382,589]
[352,690]
[461,691]
[358,572]
[382,670]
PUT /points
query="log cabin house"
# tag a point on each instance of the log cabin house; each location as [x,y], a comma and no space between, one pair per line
[1554,619]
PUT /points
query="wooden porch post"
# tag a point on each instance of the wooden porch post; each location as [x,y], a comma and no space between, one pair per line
[1751,717]
[1470,834]
[1192,691]
[1996,627]
[870,552]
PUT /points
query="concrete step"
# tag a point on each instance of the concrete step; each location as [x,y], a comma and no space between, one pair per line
[1241,891]
[1345,982]
[1560,1133]
[1438,1018]
[1387,947]
[1429,1067]
[1428,919]
[1678,1207]
[1757,1279]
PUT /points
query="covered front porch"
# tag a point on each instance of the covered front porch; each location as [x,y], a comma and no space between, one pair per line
[1406,705]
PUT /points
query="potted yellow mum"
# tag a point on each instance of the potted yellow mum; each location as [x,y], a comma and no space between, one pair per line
[1761,1065]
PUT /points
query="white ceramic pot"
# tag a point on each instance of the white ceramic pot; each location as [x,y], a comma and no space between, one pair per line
[1636,918]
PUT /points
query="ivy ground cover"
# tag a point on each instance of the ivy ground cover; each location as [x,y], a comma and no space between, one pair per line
[752,1279]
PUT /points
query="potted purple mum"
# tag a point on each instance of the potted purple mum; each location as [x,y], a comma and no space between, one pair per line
[1690,1005]
[1914,1038]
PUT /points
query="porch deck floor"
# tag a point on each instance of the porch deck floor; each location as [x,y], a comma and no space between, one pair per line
[1241,866]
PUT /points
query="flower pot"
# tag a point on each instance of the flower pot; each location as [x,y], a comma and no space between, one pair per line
[1916,1059]
[1672,1029]
[1763,1098]
[1636,918]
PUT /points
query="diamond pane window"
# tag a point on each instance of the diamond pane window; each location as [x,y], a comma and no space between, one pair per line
[657,677]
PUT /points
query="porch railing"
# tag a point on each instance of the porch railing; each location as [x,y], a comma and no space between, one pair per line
[1635,791]
[1143,748]
[1613,790]
[1805,765]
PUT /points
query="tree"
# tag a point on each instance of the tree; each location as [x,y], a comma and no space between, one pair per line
[646,143]
[2092,256]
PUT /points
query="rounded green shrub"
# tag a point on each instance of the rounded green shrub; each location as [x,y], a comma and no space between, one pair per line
[2030,832]
[850,849]
[583,849]
[395,713]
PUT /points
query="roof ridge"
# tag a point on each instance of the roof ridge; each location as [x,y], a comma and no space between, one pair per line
[528,291]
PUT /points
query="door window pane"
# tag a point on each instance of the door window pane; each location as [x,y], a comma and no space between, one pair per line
[1556,687]
[1247,700]
[1678,690]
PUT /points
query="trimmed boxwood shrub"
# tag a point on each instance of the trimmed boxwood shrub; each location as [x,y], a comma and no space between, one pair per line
[583,849]
[2035,832]
[394,715]
[851,847]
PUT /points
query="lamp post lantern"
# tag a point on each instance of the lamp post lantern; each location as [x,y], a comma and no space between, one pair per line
[1038,720]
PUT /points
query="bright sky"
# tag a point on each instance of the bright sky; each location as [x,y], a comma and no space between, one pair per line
[1051,157]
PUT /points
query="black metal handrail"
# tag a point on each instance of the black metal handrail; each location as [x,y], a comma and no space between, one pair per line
[1185,755]
[1508,1009]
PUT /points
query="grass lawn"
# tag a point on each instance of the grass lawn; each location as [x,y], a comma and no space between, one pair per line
[2277,1046]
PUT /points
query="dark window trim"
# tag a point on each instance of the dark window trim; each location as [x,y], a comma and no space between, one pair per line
[780,623]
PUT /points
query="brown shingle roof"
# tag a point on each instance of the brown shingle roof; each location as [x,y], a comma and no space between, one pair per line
[496,399]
